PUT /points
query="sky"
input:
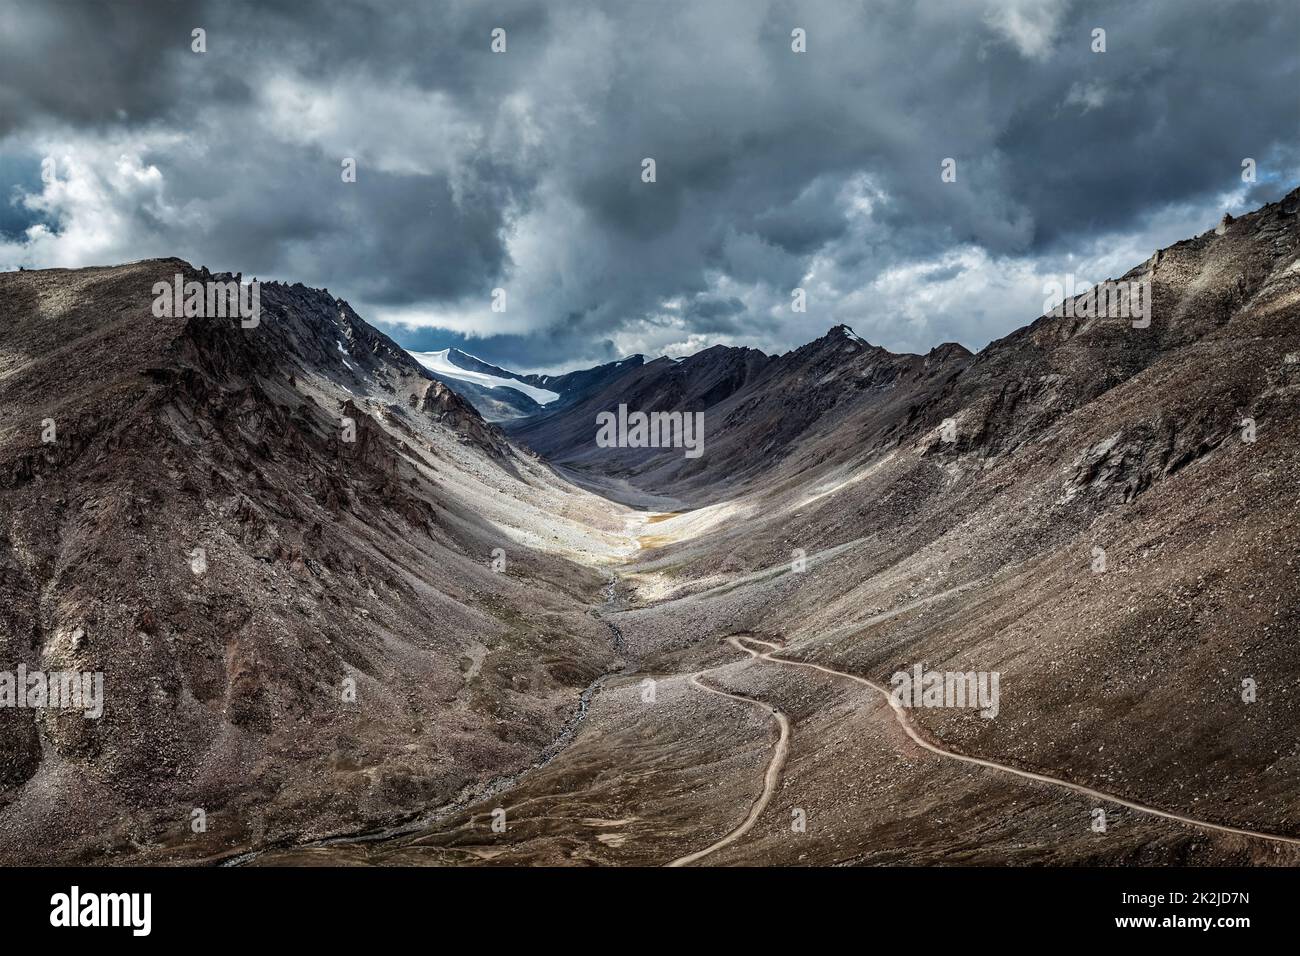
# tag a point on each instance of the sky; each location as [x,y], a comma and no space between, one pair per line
[775,169]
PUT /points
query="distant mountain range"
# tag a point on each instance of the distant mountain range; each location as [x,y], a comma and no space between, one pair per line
[501,395]
[328,599]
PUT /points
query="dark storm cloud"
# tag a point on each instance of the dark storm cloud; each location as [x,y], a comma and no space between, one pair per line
[1186,98]
[725,316]
[387,239]
[91,63]
[523,170]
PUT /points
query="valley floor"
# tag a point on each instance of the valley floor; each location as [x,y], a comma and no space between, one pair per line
[762,749]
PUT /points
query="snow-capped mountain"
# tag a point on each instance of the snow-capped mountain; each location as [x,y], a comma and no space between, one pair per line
[497,393]
[501,395]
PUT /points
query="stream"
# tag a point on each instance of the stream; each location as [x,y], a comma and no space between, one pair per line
[497,785]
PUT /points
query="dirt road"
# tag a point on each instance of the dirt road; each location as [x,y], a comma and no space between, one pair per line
[900,715]
[770,779]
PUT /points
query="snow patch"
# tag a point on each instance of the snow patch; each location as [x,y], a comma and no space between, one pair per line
[440,364]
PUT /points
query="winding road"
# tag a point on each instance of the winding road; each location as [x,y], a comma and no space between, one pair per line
[774,767]
[772,777]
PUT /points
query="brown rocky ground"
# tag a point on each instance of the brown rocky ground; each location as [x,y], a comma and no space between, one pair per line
[326,560]
[971,554]
[975,554]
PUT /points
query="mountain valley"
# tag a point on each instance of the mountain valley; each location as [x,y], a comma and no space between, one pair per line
[423,634]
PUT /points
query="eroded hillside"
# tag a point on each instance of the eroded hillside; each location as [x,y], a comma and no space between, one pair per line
[276,544]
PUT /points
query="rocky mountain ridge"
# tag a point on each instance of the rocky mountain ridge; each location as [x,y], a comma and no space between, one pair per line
[276,544]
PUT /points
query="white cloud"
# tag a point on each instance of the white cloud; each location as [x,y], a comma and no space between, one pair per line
[94,202]
[1090,96]
[1030,25]
[387,126]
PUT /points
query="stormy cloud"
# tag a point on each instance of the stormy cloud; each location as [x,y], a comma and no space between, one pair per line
[522,170]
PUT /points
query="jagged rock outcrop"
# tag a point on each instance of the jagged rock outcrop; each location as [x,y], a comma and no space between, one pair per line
[275,545]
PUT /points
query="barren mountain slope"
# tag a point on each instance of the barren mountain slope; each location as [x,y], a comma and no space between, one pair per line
[575,386]
[1100,513]
[1070,435]
[204,532]
[1122,669]
[698,382]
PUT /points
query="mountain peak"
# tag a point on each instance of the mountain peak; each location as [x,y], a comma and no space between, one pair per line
[947,350]
[844,331]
